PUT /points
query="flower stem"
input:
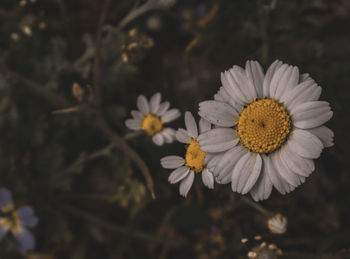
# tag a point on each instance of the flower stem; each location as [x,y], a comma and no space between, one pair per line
[256,206]
[119,229]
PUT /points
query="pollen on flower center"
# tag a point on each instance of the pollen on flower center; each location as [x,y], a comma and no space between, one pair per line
[263,126]
[194,158]
[10,220]
[152,124]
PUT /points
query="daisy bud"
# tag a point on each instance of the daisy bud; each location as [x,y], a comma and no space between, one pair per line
[277,224]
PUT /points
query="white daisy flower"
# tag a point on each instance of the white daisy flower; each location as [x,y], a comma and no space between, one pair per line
[277,224]
[269,126]
[151,118]
[195,161]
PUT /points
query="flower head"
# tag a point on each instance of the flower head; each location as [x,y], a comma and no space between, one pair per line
[270,128]
[151,118]
[16,220]
[195,161]
[277,224]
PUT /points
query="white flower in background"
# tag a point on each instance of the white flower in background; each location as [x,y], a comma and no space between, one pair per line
[269,126]
[277,224]
[151,118]
[195,161]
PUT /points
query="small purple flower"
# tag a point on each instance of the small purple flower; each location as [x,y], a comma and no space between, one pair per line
[16,220]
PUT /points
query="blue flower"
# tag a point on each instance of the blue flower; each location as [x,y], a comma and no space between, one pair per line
[16,220]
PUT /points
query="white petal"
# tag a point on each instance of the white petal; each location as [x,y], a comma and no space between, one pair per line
[225,167]
[305,144]
[246,172]
[312,93]
[191,125]
[218,97]
[228,161]
[268,77]
[172,162]
[324,134]
[211,159]
[285,172]
[223,96]
[183,136]
[247,88]
[263,186]
[186,184]
[225,179]
[274,176]
[204,125]
[229,86]
[171,115]
[168,134]
[133,124]
[154,103]
[163,107]
[208,178]
[275,81]
[178,174]
[310,163]
[311,114]
[306,91]
[218,140]
[233,88]
[142,104]
[296,163]
[289,82]
[255,75]
[158,139]
[137,115]
[304,77]
[218,113]
[280,184]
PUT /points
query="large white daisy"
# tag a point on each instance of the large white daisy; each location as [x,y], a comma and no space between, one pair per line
[151,118]
[195,161]
[269,126]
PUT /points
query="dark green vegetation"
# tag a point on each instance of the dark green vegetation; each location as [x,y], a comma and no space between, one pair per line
[91,188]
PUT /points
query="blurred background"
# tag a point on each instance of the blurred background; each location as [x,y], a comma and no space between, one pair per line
[70,73]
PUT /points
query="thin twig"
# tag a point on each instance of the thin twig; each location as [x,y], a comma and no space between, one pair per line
[82,160]
[105,151]
[149,5]
[98,46]
[119,142]
[99,123]
[36,88]
[118,229]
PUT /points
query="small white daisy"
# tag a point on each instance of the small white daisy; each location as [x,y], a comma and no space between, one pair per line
[195,161]
[269,126]
[277,224]
[151,118]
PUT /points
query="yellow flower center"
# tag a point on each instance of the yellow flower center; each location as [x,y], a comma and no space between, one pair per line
[152,124]
[194,158]
[263,126]
[10,221]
